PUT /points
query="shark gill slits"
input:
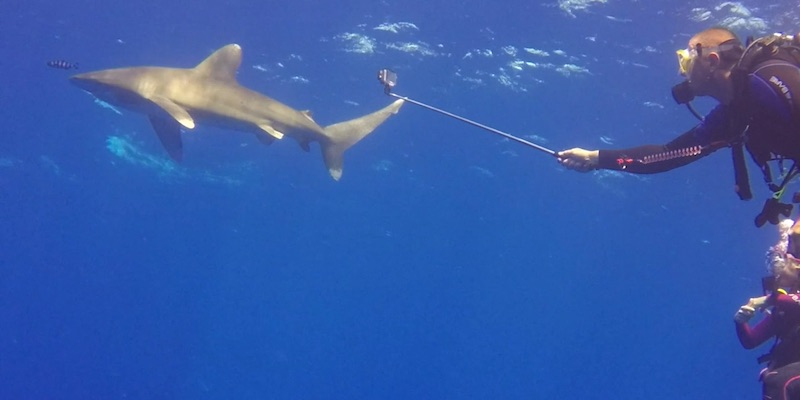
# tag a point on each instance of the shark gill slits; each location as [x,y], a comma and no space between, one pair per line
[62,64]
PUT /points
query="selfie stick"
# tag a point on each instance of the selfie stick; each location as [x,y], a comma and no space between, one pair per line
[389,79]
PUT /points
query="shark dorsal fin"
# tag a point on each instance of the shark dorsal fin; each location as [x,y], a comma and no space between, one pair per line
[308,115]
[223,64]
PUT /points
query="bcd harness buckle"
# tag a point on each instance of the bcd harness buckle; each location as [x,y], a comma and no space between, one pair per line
[773,208]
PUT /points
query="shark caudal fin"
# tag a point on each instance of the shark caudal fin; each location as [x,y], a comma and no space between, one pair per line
[345,134]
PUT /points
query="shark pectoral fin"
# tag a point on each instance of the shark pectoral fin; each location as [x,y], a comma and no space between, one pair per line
[266,127]
[175,111]
[169,133]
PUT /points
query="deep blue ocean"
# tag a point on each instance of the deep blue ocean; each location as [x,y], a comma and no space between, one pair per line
[447,263]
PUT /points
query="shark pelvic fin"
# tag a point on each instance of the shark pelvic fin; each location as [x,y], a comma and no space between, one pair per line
[175,111]
[266,127]
[265,139]
[169,133]
[223,64]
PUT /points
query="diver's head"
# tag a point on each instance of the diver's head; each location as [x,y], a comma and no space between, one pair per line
[783,266]
[788,277]
[706,64]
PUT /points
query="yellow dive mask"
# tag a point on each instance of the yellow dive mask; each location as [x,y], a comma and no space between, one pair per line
[687,57]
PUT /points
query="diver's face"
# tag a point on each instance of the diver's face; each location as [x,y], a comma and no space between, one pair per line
[698,68]
[789,276]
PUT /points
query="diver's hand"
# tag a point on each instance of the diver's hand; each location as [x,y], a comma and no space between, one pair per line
[748,310]
[758,302]
[744,314]
[579,159]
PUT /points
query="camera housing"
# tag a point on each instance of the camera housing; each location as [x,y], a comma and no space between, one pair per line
[388,79]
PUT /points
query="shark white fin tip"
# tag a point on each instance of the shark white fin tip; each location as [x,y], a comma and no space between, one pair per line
[266,127]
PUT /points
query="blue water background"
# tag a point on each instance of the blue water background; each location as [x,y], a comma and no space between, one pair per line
[447,262]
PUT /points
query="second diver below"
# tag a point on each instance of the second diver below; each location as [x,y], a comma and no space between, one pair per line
[781,305]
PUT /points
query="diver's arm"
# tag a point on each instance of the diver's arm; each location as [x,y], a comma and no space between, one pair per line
[753,337]
[631,160]
[765,329]
[698,142]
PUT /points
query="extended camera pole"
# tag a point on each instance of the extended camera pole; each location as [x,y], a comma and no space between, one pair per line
[389,80]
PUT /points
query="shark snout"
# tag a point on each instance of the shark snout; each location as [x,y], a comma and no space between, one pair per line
[95,83]
[82,81]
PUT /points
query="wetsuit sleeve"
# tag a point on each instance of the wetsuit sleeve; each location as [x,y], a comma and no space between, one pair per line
[610,159]
[752,337]
[768,327]
[709,132]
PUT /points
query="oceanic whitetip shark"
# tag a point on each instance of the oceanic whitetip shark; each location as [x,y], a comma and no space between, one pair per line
[209,94]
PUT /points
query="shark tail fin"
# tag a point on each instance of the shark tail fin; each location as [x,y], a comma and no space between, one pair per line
[343,135]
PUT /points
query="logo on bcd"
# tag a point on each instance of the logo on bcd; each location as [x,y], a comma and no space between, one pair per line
[781,86]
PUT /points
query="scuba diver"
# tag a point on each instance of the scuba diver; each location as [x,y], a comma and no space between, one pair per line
[758,90]
[781,378]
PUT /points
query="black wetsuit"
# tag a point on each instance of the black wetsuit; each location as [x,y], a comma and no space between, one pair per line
[768,101]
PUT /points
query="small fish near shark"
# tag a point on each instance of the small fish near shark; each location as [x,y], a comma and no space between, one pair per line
[209,94]
[62,64]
